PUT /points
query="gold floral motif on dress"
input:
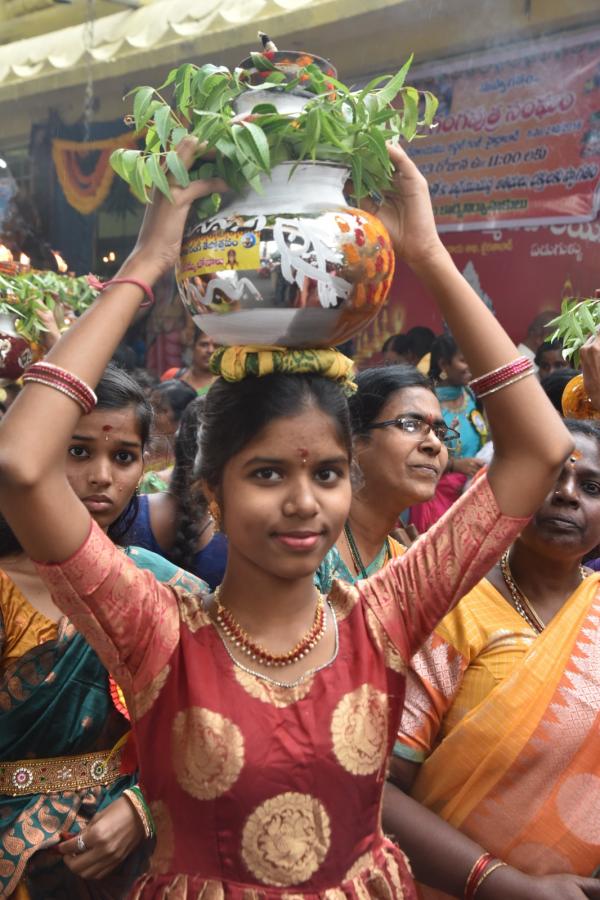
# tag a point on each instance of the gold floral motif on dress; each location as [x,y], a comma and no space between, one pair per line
[363,862]
[192,612]
[162,858]
[272,694]
[343,598]
[359,730]
[208,752]
[211,890]
[286,839]
[391,656]
[145,698]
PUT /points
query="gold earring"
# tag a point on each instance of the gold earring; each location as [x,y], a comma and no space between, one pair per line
[215,512]
[443,376]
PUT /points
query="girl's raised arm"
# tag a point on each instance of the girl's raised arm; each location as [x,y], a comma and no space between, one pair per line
[48,519]
[530,441]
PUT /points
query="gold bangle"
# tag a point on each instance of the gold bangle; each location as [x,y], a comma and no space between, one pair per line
[139,808]
[488,871]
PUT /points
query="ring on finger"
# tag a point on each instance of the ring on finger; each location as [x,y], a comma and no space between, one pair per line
[80,844]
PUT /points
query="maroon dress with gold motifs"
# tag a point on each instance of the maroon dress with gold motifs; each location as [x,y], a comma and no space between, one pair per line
[261,792]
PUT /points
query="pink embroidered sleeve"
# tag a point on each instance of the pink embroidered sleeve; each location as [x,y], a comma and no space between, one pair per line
[432,683]
[413,592]
[128,617]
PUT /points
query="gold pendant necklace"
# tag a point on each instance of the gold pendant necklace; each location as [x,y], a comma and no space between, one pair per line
[520,601]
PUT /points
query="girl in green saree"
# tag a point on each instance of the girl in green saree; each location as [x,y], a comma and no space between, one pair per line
[58,721]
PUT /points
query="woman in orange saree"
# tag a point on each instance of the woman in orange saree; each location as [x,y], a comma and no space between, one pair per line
[500,729]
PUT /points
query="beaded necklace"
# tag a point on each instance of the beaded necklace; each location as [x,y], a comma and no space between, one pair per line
[302,678]
[521,603]
[355,554]
[241,639]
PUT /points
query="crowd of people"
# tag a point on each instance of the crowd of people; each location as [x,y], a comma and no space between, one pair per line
[301,634]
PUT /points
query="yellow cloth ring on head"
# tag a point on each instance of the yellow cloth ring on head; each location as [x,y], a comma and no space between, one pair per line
[236,363]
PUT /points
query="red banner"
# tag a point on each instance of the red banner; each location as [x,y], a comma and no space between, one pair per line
[518,136]
[517,271]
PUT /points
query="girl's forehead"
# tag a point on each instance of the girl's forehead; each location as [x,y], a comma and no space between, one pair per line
[113,422]
[311,430]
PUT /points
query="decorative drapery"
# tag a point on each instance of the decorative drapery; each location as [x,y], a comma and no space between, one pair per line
[84,171]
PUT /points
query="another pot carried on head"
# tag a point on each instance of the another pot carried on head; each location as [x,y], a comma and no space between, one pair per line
[283,259]
[578,321]
[25,298]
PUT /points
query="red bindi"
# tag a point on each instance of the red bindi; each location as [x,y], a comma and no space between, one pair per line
[106,428]
[303,453]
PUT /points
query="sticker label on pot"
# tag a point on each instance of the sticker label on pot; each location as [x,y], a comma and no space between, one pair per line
[227,250]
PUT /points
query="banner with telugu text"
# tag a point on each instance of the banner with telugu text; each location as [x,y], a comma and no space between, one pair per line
[518,136]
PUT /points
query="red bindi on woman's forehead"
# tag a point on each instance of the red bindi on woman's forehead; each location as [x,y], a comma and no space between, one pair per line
[303,454]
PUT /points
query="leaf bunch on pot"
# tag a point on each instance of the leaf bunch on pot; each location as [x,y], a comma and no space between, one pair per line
[338,124]
[579,319]
[24,295]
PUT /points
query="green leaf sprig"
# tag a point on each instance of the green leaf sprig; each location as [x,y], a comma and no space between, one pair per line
[348,127]
[579,319]
[24,295]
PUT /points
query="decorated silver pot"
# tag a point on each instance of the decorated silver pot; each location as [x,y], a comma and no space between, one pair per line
[294,266]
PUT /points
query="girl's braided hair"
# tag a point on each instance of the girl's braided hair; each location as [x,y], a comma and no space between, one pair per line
[191,516]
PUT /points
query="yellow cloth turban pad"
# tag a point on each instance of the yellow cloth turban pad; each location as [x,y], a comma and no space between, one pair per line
[236,363]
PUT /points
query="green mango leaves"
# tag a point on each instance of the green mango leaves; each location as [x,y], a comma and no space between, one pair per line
[348,127]
[24,295]
[579,319]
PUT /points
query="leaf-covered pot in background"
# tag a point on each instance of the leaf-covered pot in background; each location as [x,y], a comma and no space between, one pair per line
[22,296]
[579,319]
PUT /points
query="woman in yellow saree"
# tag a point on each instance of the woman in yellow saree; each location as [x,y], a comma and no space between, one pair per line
[500,735]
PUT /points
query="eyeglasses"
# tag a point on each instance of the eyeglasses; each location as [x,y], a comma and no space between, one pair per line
[419,427]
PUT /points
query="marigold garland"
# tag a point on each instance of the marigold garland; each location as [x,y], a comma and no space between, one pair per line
[85,192]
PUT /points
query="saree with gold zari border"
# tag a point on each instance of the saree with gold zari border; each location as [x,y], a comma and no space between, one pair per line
[57,726]
[507,727]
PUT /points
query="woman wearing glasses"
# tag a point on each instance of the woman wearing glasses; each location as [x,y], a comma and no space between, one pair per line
[401,447]
[451,375]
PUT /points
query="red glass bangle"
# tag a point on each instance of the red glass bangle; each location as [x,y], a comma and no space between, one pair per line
[507,383]
[54,375]
[496,378]
[508,372]
[101,286]
[65,382]
[477,870]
